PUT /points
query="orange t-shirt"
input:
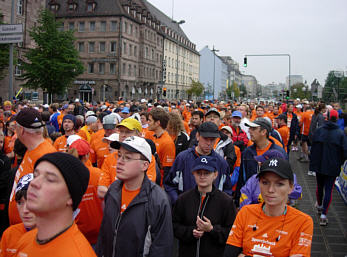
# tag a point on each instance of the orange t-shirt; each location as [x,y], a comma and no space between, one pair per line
[60,119]
[294,228]
[306,122]
[238,156]
[9,239]
[26,167]
[70,243]
[90,216]
[186,127]
[262,151]
[60,143]
[284,132]
[100,149]
[186,115]
[127,197]
[166,150]
[109,174]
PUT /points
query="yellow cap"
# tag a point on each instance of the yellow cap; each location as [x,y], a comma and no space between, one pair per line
[7,103]
[131,123]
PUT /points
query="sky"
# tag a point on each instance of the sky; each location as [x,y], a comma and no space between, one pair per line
[312,32]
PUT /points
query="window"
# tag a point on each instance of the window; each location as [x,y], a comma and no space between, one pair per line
[103,26]
[113,26]
[134,70]
[147,54]
[81,47]
[91,7]
[90,67]
[53,7]
[81,26]
[152,54]
[102,47]
[102,68]
[125,26]
[20,7]
[130,49]
[129,70]
[71,25]
[91,47]
[124,48]
[135,50]
[92,26]
[130,29]
[112,68]
[72,6]
[135,32]
[124,69]
[18,70]
[113,47]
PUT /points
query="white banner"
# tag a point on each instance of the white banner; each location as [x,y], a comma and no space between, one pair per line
[7,39]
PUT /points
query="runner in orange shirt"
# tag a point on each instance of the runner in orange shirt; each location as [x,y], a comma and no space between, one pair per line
[12,234]
[60,181]
[305,129]
[283,129]
[69,123]
[157,122]
[29,130]
[271,228]
[89,218]
[100,147]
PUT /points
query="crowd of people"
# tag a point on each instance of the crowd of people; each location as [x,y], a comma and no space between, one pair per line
[165,178]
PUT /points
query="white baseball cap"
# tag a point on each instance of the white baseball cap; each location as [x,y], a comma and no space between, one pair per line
[135,144]
[72,139]
[113,137]
[90,113]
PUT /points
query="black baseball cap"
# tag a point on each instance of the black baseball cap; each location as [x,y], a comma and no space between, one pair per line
[282,117]
[29,118]
[279,166]
[208,129]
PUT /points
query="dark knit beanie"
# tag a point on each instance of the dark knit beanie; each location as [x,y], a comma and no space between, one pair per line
[75,173]
[70,117]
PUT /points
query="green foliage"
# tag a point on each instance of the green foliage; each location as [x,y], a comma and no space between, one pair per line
[234,88]
[196,89]
[54,63]
[4,57]
[335,88]
[243,91]
[298,91]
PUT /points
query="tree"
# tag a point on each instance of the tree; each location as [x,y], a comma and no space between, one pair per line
[243,90]
[233,89]
[54,63]
[196,89]
[298,90]
[4,57]
[335,88]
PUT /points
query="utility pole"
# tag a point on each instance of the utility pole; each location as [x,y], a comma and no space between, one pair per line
[214,69]
[10,69]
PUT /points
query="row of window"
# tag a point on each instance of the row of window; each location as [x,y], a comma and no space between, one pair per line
[127,69]
[174,48]
[93,26]
[102,47]
[171,78]
[91,6]
[172,62]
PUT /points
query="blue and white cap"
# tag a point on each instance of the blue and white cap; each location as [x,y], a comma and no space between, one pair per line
[208,163]
[24,182]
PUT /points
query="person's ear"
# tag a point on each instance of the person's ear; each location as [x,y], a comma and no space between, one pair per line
[69,202]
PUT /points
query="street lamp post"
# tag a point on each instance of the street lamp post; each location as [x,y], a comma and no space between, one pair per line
[214,68]
[177,48]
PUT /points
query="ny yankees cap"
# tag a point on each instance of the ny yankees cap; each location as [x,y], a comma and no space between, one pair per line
[29,118]
[208,163]
[279,166]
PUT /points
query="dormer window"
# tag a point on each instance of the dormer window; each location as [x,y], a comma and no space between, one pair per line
[91,6]
[54,7]
[72,6]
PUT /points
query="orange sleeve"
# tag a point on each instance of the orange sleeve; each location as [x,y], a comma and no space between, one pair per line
[82,134]
[108,171]
[186,127]
[302,244]
[92,155]
[7,147]
[236,233]
[238,155]
[151,172]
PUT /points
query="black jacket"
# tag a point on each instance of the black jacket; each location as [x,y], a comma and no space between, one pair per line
[294,127]
[181,142]
[218,207]
[329,149]
[144,228]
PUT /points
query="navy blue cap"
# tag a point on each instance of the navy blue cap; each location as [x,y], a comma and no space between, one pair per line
[205,163]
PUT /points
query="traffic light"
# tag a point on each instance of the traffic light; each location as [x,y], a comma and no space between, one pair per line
[245,62]
[164,91]
[287,94]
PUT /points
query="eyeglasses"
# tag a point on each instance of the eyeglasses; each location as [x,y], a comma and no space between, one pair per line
[127,158]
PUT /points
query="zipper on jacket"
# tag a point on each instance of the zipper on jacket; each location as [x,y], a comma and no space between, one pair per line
[116,234]
[204,203]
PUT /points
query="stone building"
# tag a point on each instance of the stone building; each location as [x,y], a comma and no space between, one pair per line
[26,13]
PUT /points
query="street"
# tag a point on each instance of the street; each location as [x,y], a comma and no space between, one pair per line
[330,240]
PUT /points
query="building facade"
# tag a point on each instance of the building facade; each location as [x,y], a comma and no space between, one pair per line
[251,85]
[294,79]
[181,59]
[26,13]
[213,74]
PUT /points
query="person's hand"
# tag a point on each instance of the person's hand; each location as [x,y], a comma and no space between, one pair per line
[204,225]
[197,233]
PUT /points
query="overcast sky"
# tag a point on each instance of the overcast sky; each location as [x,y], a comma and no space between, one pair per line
[313,32]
